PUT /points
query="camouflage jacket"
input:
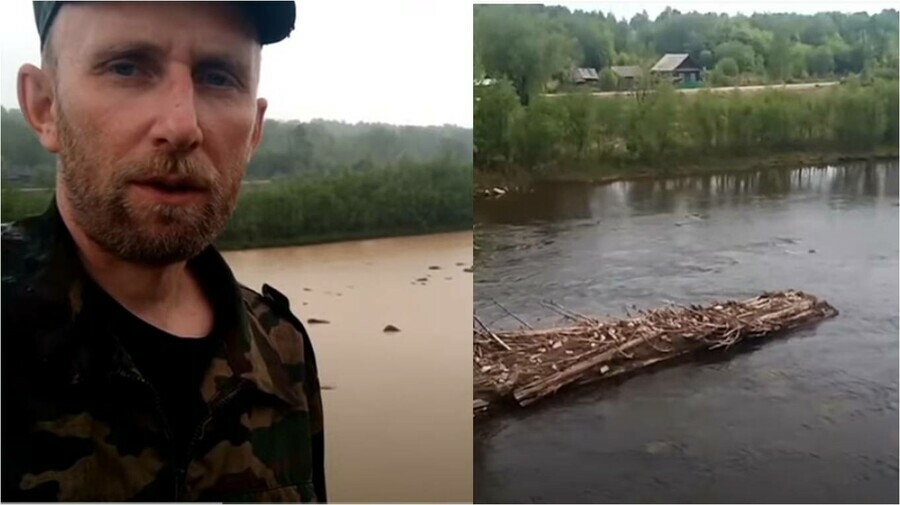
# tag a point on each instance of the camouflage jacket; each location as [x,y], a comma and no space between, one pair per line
[81,423]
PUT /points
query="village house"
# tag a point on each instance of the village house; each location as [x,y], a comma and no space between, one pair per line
[680,68]
[584,76]
[627,75]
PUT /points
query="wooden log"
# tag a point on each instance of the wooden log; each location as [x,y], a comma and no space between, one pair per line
[540,362]
[537,389]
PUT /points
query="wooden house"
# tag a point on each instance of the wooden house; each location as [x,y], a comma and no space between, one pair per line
[680,68]
[584,76]
[628,76]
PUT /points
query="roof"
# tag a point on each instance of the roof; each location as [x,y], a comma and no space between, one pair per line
[585,74]
[672,61]
[627,71]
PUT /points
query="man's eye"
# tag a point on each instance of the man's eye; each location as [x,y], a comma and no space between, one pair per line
[124,69]
[216,79]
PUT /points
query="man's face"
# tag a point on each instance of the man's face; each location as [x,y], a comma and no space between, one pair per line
[157,116]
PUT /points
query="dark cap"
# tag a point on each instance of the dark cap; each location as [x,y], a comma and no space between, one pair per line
[274,20]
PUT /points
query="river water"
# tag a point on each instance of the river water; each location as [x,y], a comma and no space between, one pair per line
[397,405]
[808,418]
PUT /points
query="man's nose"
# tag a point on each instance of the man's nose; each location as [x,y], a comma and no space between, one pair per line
[177,129]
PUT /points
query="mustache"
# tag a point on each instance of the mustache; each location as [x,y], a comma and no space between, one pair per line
[183,172]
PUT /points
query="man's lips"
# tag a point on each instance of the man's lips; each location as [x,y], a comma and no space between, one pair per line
[173,184]
[171,190]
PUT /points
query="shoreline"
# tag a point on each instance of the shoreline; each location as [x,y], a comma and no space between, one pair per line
[337,238]
[306,240]
[513,179]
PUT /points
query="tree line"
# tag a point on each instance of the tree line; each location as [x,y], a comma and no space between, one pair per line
[288,148]
[535,46]
[665,127]
[312,182]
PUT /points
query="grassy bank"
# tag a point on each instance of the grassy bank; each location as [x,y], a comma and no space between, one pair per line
[407,199]
[664,132]
[518,178]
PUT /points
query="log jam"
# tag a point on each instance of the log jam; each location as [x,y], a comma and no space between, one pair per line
[522,367]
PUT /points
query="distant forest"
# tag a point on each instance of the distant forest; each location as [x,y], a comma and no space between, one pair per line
[328,181]
[533,45]
[288,148]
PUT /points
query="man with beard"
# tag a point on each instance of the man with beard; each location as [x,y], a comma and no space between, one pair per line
[135,367]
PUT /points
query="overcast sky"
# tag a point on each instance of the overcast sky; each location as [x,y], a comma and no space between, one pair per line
[393,61]
[400,62]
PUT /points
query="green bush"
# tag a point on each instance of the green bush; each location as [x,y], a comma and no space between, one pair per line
[727,67]
[661,126]
[609,81]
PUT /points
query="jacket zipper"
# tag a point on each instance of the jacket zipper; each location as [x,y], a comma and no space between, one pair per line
[217,405]
[160,412]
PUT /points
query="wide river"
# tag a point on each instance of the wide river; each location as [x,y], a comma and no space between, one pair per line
[397,405]
[808,418]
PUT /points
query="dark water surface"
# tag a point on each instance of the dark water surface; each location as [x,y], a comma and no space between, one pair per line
[809,418]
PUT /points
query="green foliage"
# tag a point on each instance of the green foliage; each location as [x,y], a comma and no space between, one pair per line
[494,109]
[288,148]
[707,60]
[401,199]
[609,81]
[577,121]
[738,52]
[16,203]
[855,108]
[727,67]
[316,181]
[537,130]
[661,127]
[22,157]
[820,61]
[407,198]
[653,132]
[594,38]
[521,44]
[799,55]
[778,64]
[718,79]
[532,44]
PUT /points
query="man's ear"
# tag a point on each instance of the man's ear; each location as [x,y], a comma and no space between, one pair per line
[36,100]
[261,106]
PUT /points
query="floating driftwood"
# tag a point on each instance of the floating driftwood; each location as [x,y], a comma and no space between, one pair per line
[521,367]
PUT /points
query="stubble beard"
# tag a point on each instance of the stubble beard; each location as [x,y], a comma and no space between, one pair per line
[137,231]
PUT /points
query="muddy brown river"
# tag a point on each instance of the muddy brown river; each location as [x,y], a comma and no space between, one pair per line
[808,418]
[397,405]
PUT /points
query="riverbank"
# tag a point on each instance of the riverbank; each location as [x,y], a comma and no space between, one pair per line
[236,244]
[514,179]
[583,137]
[407,199]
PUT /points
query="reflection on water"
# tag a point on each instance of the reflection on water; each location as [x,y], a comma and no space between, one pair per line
[809,418]
[397,405]
[566,201]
